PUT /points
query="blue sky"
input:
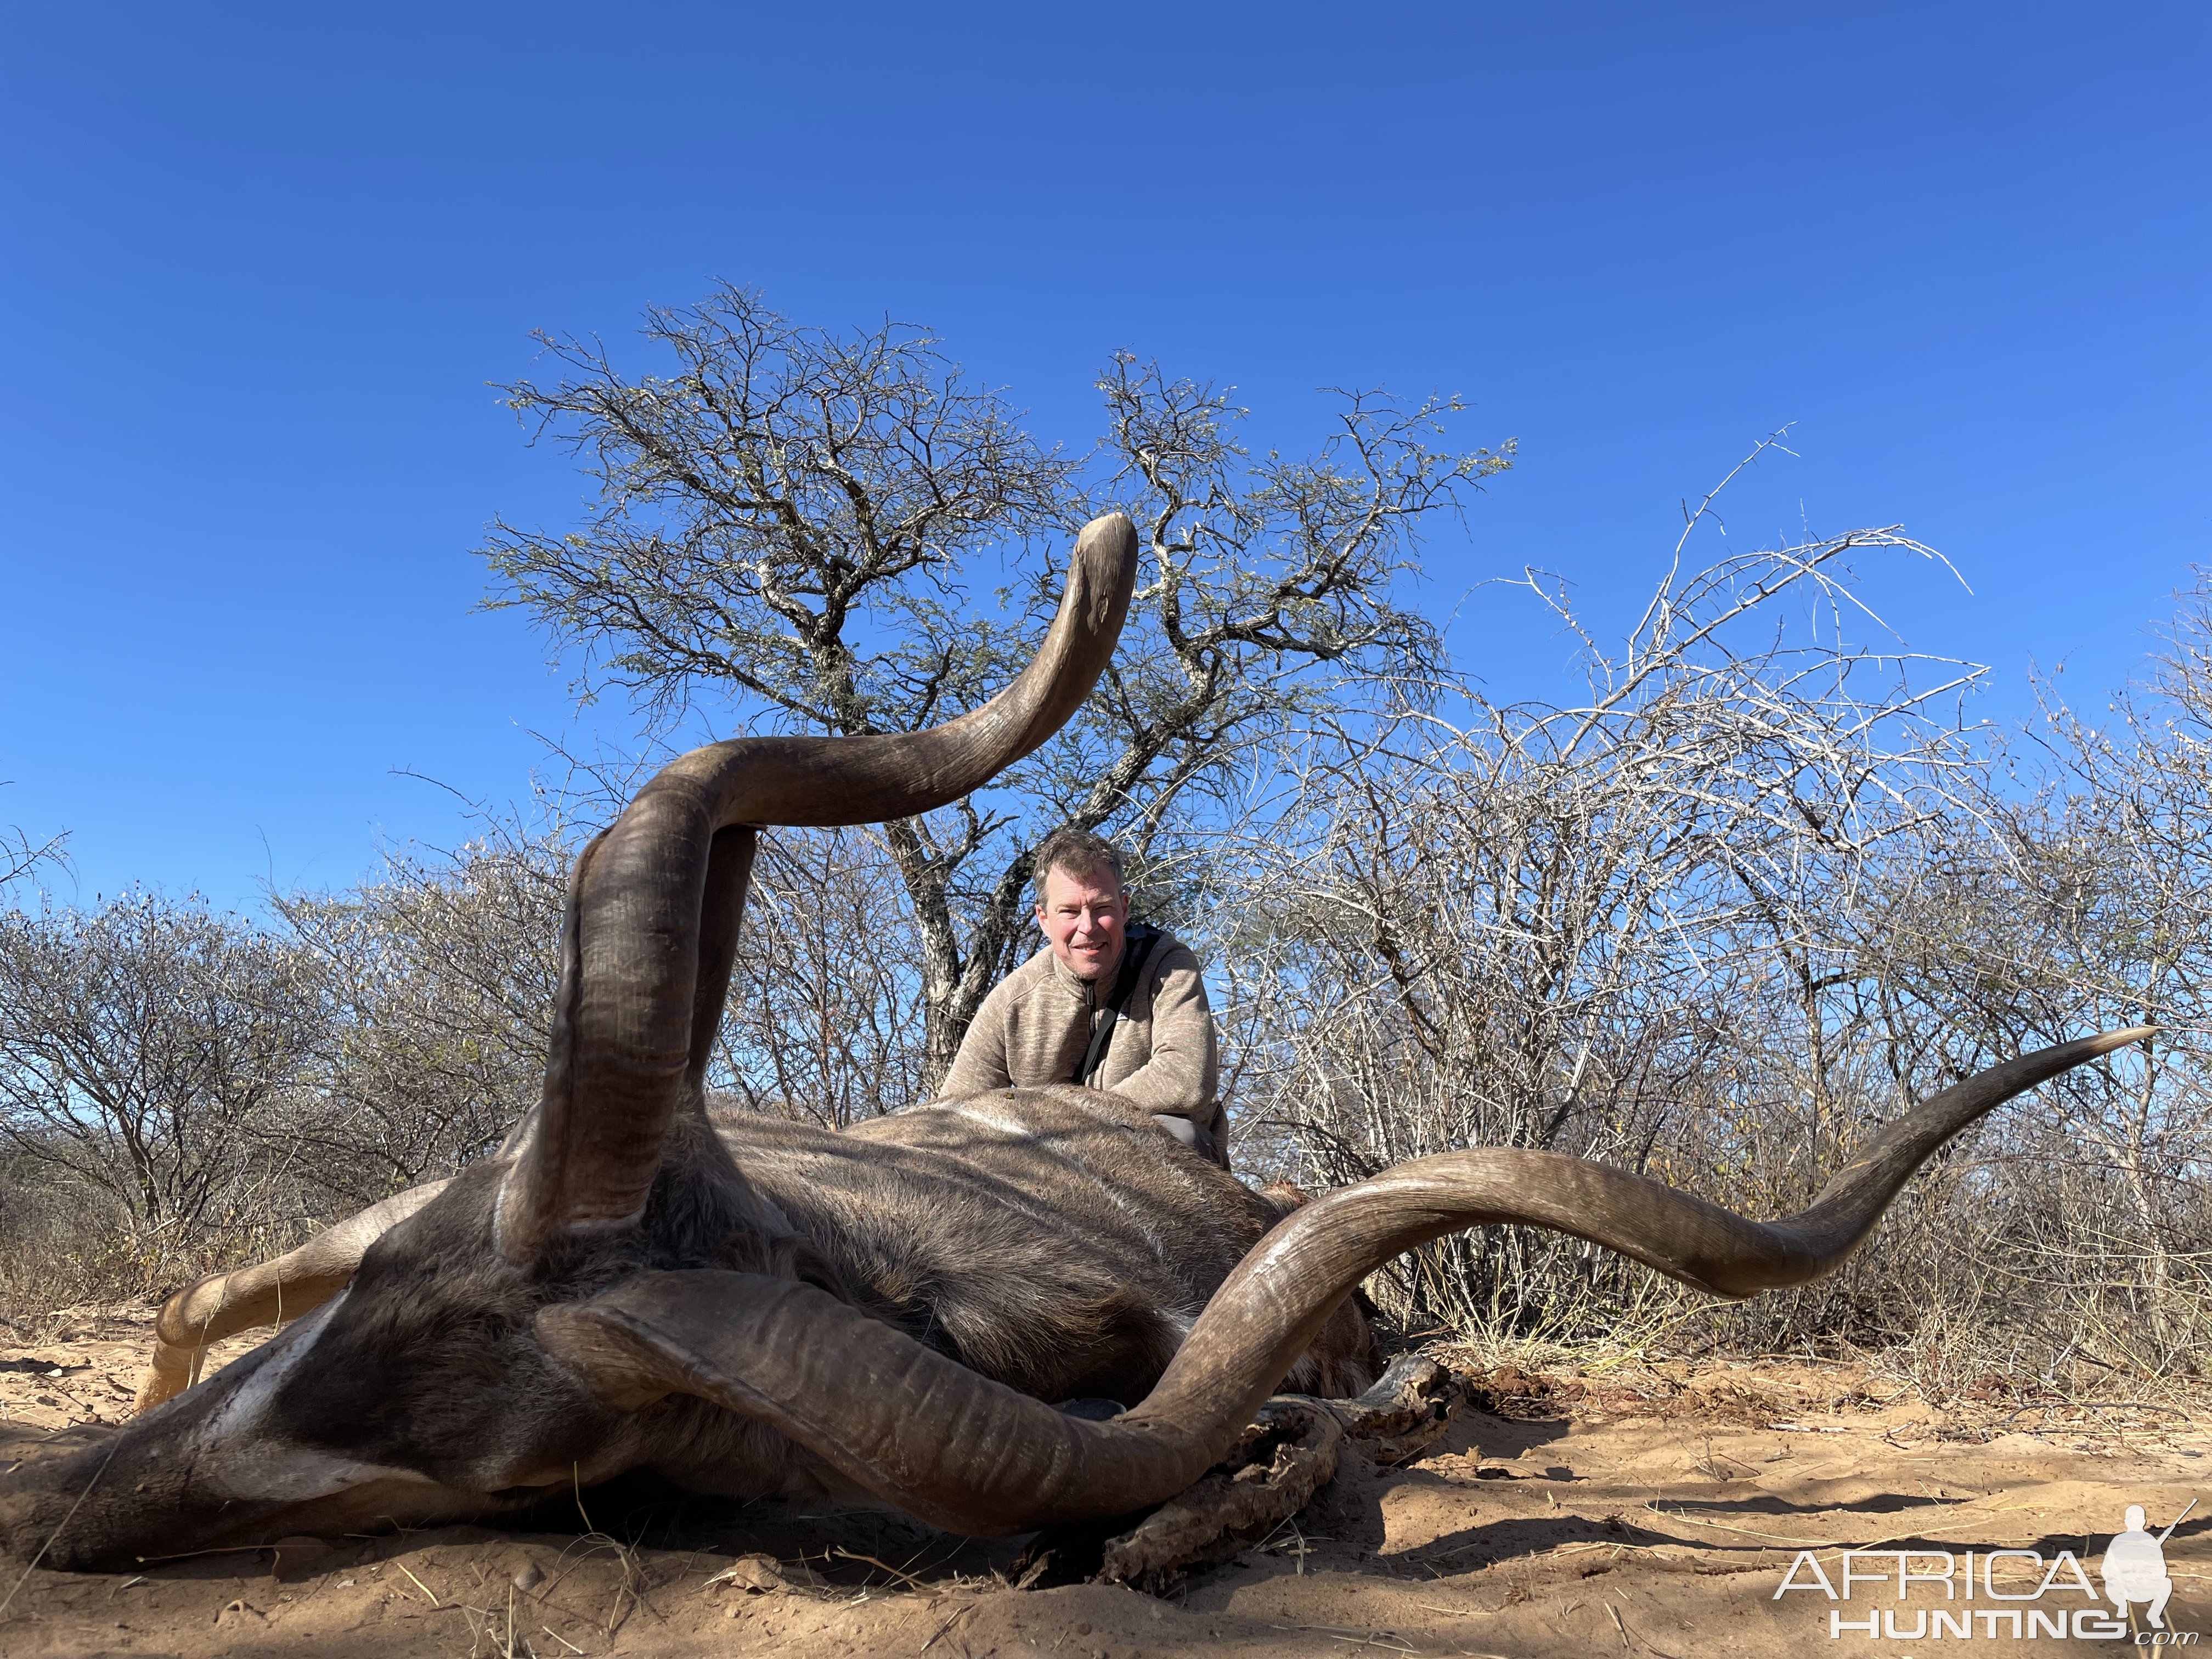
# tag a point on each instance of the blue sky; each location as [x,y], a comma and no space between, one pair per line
[258,264]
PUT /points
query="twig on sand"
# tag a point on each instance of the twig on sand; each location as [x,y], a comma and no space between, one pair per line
[1626,1639]
[930,1590]
[1389,1641]
[437,1600]
[957,1613]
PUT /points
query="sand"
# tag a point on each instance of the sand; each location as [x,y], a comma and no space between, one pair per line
[1631,1510]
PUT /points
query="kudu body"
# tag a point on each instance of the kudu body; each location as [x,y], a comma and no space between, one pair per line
[887,1314]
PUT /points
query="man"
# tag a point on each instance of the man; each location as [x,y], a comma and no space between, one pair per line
[1103,1003]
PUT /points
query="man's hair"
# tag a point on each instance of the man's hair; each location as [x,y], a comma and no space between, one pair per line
[1074,852]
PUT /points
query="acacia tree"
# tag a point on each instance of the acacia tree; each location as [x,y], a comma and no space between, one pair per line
[822,1010]
[792,524]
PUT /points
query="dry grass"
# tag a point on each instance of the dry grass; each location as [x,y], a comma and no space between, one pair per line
[65,1250]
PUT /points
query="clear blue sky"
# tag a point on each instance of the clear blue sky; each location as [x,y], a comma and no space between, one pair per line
[258,263]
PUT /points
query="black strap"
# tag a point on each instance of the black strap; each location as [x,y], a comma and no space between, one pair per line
[1136,951]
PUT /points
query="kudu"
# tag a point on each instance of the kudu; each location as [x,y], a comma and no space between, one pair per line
[887,1314]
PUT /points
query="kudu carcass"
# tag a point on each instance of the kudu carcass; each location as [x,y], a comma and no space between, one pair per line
[887,1314]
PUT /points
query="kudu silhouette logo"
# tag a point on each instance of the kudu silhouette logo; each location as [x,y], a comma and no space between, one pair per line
[2135,1566]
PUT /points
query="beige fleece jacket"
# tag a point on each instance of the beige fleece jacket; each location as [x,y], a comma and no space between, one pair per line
[1036,1027]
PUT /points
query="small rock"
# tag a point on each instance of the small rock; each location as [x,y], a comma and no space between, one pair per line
[755,1574]
[530,1577]
[298,1556]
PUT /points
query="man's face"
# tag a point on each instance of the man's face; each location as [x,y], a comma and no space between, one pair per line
[1084,917]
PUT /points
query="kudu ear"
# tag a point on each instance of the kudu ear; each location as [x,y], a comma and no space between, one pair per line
[268,1293]
[964,1452]
[652,909]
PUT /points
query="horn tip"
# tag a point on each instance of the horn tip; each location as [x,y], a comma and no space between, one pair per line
[1111,538]
[2104,1042]
[1102,574]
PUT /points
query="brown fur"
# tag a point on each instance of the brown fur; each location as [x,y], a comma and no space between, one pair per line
[1053,1239]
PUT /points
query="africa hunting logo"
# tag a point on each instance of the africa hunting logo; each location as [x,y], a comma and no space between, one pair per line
[1977,1586]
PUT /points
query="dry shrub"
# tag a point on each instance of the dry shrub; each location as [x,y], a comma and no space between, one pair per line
[1757,895]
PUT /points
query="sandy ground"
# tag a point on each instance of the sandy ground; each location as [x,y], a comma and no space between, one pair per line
[1634,1510]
